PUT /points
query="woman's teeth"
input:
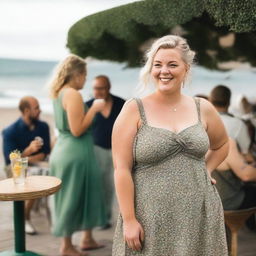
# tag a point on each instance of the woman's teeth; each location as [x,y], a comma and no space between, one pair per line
[165,79]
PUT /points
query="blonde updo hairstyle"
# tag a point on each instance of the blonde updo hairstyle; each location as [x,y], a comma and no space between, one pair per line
[65,72]
[166,42]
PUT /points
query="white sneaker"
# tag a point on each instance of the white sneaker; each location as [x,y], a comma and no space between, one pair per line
[29,228]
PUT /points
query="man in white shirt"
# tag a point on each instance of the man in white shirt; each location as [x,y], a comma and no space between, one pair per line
[236,128]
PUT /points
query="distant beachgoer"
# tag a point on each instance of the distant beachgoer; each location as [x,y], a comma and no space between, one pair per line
[236,128]
[165,147]
[79,204]
[23,135]
[102,130]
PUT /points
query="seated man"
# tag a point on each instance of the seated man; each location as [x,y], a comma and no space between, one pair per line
[231,177]
[31,137]
[236,128]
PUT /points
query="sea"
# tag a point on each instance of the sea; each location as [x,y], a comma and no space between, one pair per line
[31,77]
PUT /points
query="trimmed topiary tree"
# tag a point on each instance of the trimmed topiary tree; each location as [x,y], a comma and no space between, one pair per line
[121,33]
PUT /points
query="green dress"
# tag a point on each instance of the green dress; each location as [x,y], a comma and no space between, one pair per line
[78,205]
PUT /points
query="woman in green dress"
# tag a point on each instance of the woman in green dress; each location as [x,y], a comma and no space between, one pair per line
[78,205]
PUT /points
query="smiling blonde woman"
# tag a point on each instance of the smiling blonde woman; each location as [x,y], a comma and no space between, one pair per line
[168,202]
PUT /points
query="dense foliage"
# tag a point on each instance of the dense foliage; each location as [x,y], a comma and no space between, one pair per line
[121,33]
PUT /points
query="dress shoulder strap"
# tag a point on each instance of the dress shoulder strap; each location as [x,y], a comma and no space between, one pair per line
[197,101]
[61,94]
[141,110]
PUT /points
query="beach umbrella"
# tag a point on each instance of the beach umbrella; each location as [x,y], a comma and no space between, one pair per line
[218,30]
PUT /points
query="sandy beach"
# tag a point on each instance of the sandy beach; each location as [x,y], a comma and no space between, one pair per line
[8,116]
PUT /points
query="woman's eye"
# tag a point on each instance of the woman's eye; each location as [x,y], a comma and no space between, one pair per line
[157,65]
[173,65]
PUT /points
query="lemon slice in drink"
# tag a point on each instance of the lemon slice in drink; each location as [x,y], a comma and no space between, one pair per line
[16,170]
[14,155]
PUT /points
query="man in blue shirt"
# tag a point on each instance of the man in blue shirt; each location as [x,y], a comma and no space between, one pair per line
[102,130]
[31,137]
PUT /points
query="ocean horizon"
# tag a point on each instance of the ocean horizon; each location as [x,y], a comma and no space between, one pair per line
[30,77]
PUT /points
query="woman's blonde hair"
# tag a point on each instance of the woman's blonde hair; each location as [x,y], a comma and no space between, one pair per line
[65,72]
[165,42]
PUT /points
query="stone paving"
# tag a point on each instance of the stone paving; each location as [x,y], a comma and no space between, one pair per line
[46,244]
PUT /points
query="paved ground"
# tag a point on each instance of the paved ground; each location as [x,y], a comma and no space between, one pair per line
[44,243]
[47,245]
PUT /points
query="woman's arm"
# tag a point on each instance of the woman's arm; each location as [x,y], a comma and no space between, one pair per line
[78,120]
[218,138]
[124,132]
[237,164]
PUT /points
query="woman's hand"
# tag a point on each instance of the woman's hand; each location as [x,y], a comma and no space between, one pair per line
[213,181]
[98,105]
[133,234]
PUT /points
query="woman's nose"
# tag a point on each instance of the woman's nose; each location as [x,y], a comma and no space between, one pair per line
[165,69]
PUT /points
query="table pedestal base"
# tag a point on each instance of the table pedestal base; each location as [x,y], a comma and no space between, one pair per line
[12,253]
[19,233]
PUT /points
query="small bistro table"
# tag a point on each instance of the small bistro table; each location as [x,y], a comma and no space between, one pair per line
[34,187]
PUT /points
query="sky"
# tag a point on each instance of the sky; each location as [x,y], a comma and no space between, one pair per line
[37,29]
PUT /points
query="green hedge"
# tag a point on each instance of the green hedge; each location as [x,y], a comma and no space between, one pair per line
[117,34]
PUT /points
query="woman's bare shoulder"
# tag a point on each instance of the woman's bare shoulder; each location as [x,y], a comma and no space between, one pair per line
[130,111]
[71,94]
[70,91]
[206,105]
[130,105]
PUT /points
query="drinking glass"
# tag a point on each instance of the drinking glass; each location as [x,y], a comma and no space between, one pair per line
[19,170]
[40,140]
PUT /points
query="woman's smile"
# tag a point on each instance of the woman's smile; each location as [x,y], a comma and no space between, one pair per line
[165,79]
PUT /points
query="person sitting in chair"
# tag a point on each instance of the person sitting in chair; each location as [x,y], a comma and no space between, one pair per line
[31,137]
[232,177]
